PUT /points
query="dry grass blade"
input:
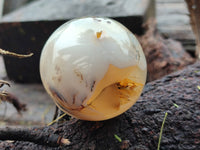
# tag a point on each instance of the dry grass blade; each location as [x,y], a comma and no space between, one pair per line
[161,131]
[4,52]
[8,97]
[194,10]
[57,119]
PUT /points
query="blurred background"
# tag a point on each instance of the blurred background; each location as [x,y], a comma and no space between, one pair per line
[25,25]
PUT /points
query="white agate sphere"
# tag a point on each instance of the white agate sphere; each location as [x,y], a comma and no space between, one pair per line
[93,68]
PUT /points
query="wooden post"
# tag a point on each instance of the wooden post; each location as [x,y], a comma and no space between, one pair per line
[194,10]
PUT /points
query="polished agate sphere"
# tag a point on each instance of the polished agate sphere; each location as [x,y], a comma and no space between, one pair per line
[93,68]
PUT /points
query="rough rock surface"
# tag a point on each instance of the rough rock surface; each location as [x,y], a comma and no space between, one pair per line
[139,128]
[163,56]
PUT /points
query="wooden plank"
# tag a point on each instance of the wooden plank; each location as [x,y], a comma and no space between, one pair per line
[173,21]
[11,5]
[171,8]
[177,32]
[67,9]
[169,1]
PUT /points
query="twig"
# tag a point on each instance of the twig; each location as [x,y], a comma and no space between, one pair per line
[4,52]
[8,97]
[33,135]
[2,83]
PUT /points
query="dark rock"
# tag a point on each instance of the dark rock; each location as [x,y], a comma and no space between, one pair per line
[181,130]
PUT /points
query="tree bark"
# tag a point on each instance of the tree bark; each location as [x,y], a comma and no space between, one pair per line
[33,135]
[163,56]
[139,128]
